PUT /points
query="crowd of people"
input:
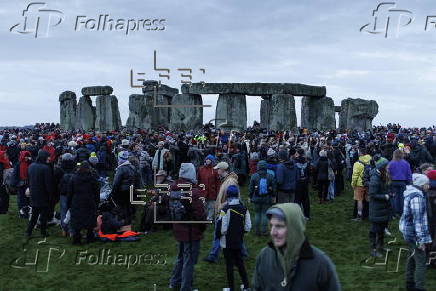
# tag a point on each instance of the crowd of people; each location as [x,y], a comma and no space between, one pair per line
[90,177]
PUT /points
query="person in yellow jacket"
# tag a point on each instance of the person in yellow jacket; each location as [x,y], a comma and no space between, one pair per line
[358,183]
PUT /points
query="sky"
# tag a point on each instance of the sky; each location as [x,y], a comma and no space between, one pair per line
[315,43]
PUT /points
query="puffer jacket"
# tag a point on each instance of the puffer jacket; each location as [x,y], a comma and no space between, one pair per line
[379,207]
[358,170]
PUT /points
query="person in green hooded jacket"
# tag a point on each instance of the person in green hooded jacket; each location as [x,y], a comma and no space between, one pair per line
[289,262]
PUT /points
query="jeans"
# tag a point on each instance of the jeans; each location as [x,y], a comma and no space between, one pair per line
[415,267]
[183,270]
[323,186]
[22,200]
[397,188]
[331,191]
[64,208]
[260,219]
[215,251]
[210,209]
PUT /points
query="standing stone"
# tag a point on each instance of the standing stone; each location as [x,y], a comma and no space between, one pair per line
[232,110]
[357,114]
[318,113]
[144,114]
[282,112]
[265,111]
[186,118]
[97,90]
[107,113]
[85,114]
[68,110]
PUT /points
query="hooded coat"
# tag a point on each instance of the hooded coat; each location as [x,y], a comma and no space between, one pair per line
[287,176]
[83,199]
[41,181]
[358,171]
[379,207]
[209,177]
[299,266]
[262,171]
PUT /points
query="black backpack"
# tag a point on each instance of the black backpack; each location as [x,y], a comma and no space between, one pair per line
[366,174]
[179,205]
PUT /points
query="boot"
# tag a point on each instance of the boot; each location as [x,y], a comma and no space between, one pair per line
[380,242]
[410,286]
[373,244]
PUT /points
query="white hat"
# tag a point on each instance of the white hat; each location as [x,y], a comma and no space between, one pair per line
[420,180]
[125,142]
[222,165]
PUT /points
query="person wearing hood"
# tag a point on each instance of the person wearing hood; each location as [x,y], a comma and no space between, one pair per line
[357,181]
[379,207]
[290,262]
[302,188]
[187,235]
[209,177]
[262,190]
[24,160]
[415,229]
[41,189]
[419,155]
[286,177]
[125,175]
[63,175]
[83,199]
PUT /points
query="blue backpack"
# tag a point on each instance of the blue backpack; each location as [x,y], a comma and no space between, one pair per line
[262,187]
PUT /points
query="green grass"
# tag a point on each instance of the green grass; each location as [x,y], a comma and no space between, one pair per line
[330,229]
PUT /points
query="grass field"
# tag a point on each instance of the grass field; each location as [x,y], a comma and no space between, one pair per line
[330,229]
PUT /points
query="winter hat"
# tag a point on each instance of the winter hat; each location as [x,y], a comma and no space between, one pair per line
[187,171]
[420,179]
[432,175]
[232,191]
[125,142]
[254,156]
[123,156]
[72,144]
[283,155]
[381,163]
[271,152]
[93,158]
[323,153]
[67,157]
[210,157]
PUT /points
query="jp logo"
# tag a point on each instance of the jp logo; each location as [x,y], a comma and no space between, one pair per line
[388,19]
[38,254]
[37,20]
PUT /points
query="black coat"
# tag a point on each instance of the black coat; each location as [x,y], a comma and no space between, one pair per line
[41,184]
[83,200]
[379,207]
[322,169]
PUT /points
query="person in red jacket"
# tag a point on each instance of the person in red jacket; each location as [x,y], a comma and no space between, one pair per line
[51,150]
[209,177]
[24,160]
[188,235]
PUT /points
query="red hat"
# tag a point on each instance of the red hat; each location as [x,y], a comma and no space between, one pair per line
[432,175]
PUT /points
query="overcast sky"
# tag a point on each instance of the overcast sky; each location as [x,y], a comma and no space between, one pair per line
[316,43]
